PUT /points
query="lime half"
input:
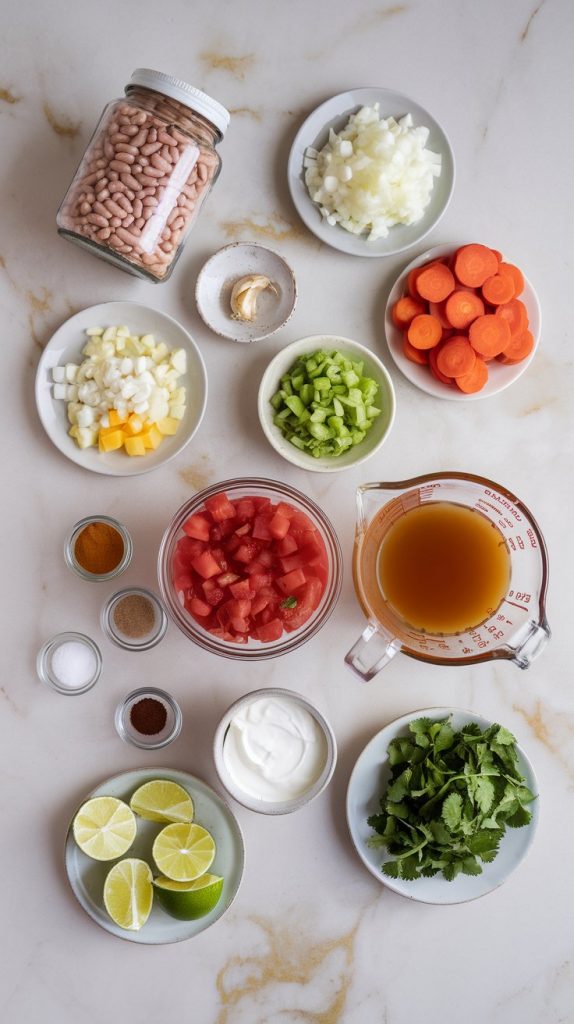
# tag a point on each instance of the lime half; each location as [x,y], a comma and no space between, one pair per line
[189,900]
[183,852]
[160,800]
[104,828]
[128,893]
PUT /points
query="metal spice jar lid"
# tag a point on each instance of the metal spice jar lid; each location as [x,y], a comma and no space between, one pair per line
[148,718]
[134,619]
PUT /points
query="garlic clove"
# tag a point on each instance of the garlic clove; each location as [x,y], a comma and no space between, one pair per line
[245,294]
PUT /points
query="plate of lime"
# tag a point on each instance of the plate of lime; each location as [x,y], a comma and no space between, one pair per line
[154,855]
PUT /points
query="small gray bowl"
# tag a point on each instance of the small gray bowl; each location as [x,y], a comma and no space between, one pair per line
[268,806]
[215,283]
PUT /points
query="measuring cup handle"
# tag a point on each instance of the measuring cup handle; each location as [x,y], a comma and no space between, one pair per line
[372,652]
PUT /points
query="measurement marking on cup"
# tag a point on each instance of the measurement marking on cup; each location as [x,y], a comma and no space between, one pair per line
[513,603]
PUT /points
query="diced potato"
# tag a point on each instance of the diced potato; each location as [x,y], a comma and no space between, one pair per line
[110,439]
[159,352]
[87,436]
[177,412]
[168,425]
[134,445]
[179,360]
[134,425]
[116,418]
[152,437]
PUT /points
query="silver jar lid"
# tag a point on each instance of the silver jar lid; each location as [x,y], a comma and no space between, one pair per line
[179,90]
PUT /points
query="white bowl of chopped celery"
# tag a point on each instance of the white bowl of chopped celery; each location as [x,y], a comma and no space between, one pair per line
[326,403]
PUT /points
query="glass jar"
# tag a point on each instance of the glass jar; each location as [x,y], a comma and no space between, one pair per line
[146,172]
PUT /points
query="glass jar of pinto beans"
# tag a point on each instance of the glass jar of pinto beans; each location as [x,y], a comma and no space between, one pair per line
[145,174]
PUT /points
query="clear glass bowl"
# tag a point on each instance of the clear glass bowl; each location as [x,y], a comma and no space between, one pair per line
[253,650]
[46,671]
[70,545]
[152,741]
[134,643]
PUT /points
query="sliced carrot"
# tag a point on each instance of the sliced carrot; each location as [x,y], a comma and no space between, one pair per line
[519,348]
[416,355]
[498,254]
[462,307]
[437,309]
[489,335]
[514,312]
[516,274]
[498,289]
[456,357]
[435,282]
[405,309]
[433,355]
[474,381]
[474,263]
[413,275]
[424,331]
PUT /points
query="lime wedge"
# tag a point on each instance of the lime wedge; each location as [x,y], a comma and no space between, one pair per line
[189,900]
[104,828]
[128,893]
[160,800]
[183,852]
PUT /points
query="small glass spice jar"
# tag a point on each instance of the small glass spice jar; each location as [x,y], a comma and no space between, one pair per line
[134,619]
[147,170]
[69,663]
[98,548]
[148,718]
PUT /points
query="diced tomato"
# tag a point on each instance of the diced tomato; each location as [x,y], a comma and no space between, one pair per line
[220,558]
[220,507]
[283,509]
[222,530]
[245,509]
[270,631]
[242,589]
[307,600]
[213,594]
[232,544]
[265,558]
[312,544]
[239,625]
[243,530]
[261,504]
[320,568]
[261,529]
[258,580]
[253,568]
[200,608]
[287,546]
[182,580]
[278,526]
[227,578]
[300,521]
[198,527]
[258,604]
[206,565]
[266,615]
[292,562]
[291,581]
[239,609]
[188,548]
[246,552]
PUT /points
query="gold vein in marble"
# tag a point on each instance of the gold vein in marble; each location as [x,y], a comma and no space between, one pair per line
[547,732]
[274,227]
[236,66]
[250,984]
[245,112]
[59,125]
[198,475]
[12,703]
[524,34]
[363,24]
[39,305]
[7,96]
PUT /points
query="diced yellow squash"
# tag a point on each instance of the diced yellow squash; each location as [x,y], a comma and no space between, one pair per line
[73,431]
[152,437]
[168,425]
[135,445]
[134,425]
[116,418]
[110,439]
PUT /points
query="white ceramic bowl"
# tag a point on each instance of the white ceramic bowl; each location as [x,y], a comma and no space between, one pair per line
[66,346]
[334,113]
[366,785]
[267,806]
[375,437]
[215,283]
[500,376]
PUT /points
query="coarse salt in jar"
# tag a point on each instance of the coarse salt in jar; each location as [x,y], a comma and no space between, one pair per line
[148,168]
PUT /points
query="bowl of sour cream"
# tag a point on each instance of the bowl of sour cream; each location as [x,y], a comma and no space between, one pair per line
[274,752]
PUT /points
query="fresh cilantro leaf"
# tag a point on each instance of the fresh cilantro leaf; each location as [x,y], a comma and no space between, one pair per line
[483,793]
[289,602]
[520,818]
[451,811]
[471,867]
[392,868]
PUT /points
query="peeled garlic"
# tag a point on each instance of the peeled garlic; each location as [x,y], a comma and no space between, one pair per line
[245,294]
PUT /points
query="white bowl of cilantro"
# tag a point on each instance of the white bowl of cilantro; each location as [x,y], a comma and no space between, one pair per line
[326,403]
[442,805]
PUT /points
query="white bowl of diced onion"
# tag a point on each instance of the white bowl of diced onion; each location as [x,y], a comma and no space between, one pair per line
[371,172]
[165,382]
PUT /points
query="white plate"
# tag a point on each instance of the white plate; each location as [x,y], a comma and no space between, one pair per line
[87,876]
[334,113]
[499,376]
[366,785]
[375,437]
[215,284]
[65,346]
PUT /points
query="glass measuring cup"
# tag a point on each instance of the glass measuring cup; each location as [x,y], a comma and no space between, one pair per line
[517,630]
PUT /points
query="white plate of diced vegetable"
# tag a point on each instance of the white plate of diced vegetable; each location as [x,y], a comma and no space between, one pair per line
[326,403]
[121,388]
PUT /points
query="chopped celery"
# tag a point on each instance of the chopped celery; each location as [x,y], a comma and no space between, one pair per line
[295,404]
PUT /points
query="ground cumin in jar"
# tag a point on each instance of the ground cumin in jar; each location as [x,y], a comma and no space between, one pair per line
[147,170]
[98,548]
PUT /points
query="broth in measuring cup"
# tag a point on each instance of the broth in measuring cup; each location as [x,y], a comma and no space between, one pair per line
[442,568]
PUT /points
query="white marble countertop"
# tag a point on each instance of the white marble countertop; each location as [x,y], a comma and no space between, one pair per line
[312,936]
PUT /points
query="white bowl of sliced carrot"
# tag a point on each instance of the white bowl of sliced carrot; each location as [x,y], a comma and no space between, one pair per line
[462,322]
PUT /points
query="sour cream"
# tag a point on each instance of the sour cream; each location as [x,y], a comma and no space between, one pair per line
[274,749]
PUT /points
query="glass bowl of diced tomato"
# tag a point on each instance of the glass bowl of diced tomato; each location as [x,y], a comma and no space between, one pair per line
[250,568]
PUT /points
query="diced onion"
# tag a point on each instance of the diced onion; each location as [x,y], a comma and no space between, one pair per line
[373,174]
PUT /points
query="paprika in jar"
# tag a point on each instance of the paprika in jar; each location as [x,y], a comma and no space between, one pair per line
[98,548]
[146,172]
